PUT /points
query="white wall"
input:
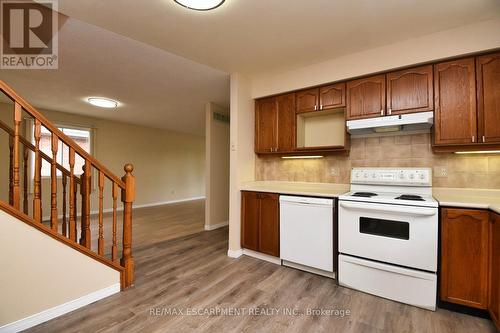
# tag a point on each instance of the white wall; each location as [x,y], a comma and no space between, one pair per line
[462,40]
[242,155]
[39,273]
[217,168]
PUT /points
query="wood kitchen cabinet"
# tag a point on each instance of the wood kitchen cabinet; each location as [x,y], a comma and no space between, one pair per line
[275,124]
[366,97]
[307,100]
[410,90]
[455,102]
[465,257]
[332,96]
[260,222]
[494,292]
[488,97]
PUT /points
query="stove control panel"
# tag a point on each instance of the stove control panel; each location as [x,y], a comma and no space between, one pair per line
[390,176]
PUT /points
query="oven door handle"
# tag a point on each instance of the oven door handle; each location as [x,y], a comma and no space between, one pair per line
[403,210]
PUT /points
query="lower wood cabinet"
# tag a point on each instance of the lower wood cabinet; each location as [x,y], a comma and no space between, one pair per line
[260,222]
[464,257]
[494,292]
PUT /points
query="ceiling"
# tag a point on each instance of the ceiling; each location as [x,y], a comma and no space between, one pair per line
[155,88]
[255,36]
[163,62]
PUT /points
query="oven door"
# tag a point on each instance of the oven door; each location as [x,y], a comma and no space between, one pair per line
[395,234]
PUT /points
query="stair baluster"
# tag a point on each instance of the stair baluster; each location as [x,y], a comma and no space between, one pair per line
[53,184]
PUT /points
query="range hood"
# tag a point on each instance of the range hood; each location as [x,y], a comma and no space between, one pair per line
[420,121]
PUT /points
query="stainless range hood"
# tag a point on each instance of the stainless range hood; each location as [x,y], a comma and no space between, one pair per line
[413,122]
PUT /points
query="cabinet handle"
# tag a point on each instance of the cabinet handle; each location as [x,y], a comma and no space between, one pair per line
[321,107]
[315,107]
[484,139]
[473,138]
[382,112]
[390,112]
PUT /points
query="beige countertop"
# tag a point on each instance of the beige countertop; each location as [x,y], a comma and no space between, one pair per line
[448,197]
[297,188]
[468,198]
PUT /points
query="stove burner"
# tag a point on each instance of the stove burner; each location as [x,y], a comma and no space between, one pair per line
[364,194]
[410,197]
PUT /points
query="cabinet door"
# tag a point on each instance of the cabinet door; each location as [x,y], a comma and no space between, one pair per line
[332,96]
[366,97]
[410,90]
[464,257]
[250,215]
[307,100]
[269,224]
[488,97]
[455,102]
[266,117]
[286,122]
[494,302]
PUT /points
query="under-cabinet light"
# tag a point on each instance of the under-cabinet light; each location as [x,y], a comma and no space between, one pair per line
[300,157]
[479,152]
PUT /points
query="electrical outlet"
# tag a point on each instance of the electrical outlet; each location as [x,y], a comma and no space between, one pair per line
[335,172]
[440,172]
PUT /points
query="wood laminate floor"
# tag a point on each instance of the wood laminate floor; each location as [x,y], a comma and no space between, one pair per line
[180,268]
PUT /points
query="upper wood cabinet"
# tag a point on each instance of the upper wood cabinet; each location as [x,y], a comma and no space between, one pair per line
[366,97]
[464,257]
[488,98]
[410,90]
[260,222]
[332,96]
[455,102]
[286,122]
[275,124]
[266,125]
[308,100]
[494,294]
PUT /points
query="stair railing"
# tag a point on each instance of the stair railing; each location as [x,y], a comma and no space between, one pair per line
[68,229]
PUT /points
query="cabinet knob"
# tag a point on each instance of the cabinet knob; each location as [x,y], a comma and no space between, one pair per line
[315,107]
[484,139]
[473,138]
[321,107]
[382,112]
[390,112]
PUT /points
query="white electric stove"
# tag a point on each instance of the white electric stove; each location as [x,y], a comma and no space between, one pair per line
[388,235]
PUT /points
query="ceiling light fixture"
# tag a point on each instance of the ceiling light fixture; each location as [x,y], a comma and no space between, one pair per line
[478,152]
[103,102]
[200,4]
[300,157]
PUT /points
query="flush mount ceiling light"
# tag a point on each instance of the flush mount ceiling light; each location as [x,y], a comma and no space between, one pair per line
[103,102]
[200,4]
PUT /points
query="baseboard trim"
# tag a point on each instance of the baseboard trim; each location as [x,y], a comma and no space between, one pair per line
[234,254]
[59,310]
[216,226]
[119,209]
[262,256]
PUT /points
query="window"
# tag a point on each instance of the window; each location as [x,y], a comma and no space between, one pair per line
[82,136]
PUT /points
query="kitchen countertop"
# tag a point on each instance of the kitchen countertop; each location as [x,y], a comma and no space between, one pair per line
[468,198]
[447,197]
[297,188]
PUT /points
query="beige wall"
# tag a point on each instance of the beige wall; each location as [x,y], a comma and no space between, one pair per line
[168,165]
[448,43]
[242,157]
[217,167]
[39,273]
[472,171]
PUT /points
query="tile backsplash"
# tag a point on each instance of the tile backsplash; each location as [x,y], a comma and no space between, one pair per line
[465,171]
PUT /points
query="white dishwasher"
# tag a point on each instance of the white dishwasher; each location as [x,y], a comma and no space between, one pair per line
[306,233]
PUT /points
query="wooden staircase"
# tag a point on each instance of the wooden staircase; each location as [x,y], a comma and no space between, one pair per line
[68,223]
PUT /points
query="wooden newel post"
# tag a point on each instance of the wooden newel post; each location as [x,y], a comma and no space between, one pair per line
[128,197]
